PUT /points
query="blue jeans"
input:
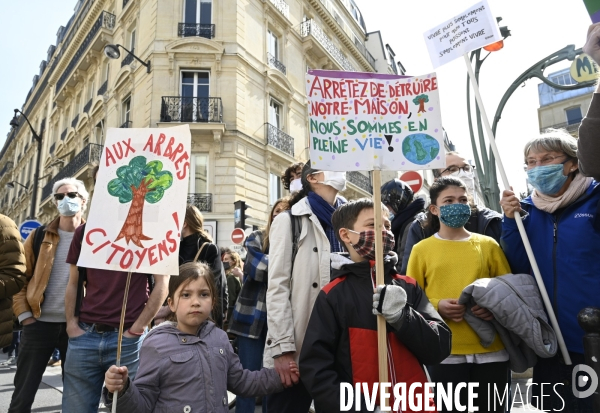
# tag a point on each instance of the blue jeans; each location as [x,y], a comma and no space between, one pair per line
[89,356]
[251,355]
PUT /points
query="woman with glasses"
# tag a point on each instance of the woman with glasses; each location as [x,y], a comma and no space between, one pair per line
[562,221]
[483,220]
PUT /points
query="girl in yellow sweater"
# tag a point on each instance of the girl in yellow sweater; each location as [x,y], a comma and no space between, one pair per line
[443,265]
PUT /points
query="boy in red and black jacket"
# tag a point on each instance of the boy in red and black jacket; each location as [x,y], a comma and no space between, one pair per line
[341,339]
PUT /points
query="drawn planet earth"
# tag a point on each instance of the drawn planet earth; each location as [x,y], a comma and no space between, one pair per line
[420,148]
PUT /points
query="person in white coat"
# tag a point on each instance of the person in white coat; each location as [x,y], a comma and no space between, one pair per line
[295,283]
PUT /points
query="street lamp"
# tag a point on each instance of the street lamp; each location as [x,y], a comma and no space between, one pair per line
[15,124]
[11,185]
[112,52]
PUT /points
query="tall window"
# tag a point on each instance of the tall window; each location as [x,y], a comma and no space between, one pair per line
[275,114]
[199,172]
[92,90]
[198,11]
[273,45]
[275,188]
[573,115]
[194,92]
[99,139]
[126,112]
[132,41]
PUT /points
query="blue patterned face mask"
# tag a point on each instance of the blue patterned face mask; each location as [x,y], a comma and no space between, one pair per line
[547,179]
[455,215]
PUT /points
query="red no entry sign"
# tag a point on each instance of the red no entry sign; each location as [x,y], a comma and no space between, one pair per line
[412,179]
[237,236]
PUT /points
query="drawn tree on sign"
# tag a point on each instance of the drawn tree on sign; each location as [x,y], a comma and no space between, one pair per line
[138,182]
[421,100]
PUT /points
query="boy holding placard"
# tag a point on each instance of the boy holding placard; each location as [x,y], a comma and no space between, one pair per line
[341,339]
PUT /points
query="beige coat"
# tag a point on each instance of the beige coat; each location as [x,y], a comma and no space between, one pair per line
[290,297]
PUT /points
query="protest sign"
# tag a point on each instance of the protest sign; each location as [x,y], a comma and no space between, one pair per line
[369,121]
[593,9]
[139,201]
[474,28]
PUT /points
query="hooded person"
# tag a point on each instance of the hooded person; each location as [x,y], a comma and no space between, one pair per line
[301,242]
[399,198]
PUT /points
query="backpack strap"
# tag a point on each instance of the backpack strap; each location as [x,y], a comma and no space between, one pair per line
[38,238]
[80,282]
[296,223]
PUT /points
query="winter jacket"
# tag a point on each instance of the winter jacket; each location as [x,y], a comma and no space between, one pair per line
[180,372]
[519,317]
[28,302]
[290,296]
[250,312]
[401,226]
[341,340]
[567,250]
[588,146]
[211,256]
[12,275]
[483,221]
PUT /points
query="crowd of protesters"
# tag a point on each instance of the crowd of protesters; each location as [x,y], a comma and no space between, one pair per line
[301,308]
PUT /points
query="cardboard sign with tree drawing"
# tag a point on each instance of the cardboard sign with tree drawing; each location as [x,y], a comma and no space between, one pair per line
[139,201]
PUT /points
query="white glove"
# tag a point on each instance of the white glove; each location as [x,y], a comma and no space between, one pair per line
[389,301]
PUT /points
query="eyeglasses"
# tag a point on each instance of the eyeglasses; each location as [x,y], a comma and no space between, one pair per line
[546,160]
[60,197]
[455,169]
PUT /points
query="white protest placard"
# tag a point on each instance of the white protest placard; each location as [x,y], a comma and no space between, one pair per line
[139,202]
[474,28]
[368,121]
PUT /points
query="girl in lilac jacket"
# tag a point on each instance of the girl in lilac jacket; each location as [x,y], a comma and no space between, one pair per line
[188,365]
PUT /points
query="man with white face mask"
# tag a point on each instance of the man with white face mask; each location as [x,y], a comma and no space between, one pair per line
[301,241]
[483,220]
[40,306]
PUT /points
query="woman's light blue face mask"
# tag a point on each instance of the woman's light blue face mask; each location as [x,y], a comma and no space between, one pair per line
[547,179]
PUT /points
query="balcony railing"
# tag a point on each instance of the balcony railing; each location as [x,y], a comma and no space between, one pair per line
[126,124]
[363,50]
[127,59]
[90,153]
[88,106]
[282,6]
[360,180]
[273,62]
[63,135]
[103,88]
[309,27]
[279,139]
[74,121]
[196,30]
[569,127]
[106,21]
[186,109]
[201,201]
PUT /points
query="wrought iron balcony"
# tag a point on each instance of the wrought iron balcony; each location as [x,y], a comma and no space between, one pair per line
[106,21]
[127,59]
[103,88]
[196,30]
[309,27]
[273,62]
[126,124]
[88,106]
[360,180]
[74,121]
[63,135]
[185,109]
[279,139]
[201,201]
[569,127]
[51,150]
[90,153]
[282,6]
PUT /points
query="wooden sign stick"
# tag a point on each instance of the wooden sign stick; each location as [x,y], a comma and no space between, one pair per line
[120,338]
[379,280]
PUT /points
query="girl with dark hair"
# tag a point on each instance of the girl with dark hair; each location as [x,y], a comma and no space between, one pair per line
[443,265]
[197,245]
[188,365]
[249,320]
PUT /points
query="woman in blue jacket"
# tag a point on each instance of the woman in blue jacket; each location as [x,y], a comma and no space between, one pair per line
[562,223]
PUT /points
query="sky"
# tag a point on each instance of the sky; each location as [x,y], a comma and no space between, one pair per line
[538,27]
